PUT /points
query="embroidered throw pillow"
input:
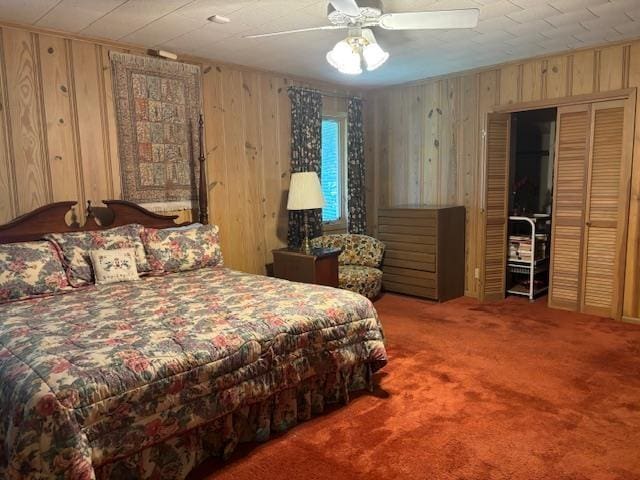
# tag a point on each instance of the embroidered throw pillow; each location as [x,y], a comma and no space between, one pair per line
[30,269]
[111,266]
[76,248]
[179,250]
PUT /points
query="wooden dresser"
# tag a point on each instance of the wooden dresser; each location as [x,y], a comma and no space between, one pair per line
[424,253]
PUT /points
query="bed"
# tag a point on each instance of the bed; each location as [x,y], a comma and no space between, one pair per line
[146,379]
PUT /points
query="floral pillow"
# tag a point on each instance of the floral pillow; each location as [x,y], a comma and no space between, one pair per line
[30,269]
[111,266]
[76,249]
[175,251]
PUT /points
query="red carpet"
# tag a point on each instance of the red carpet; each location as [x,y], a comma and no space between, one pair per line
[505,391]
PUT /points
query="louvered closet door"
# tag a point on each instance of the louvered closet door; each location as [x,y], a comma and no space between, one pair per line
[497,152]
[606,210]
[569,191]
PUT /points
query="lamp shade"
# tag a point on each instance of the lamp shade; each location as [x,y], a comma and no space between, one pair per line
[305,192]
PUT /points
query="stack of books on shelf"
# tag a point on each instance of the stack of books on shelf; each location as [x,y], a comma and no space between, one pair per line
[520,247]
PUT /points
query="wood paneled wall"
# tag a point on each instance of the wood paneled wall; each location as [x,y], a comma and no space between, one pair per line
[58,138]
[248,136]
[424,140]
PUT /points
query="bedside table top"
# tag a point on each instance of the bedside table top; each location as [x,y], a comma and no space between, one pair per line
[315,252]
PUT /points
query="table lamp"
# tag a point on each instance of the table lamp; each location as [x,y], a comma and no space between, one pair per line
[305,193]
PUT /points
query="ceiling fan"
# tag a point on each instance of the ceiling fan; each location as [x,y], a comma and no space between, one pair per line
[361,45]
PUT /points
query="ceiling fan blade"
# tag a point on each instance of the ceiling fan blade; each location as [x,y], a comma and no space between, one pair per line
[348,7]
[298,30]
[440,19]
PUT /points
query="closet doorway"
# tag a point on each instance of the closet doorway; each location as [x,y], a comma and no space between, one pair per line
[530,202]
[588,201]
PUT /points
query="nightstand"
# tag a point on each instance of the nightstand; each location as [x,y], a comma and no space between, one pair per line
[319,267]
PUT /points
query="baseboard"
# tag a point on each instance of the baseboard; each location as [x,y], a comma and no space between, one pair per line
[631,320]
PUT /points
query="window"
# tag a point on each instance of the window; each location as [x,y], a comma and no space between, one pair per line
[333,169]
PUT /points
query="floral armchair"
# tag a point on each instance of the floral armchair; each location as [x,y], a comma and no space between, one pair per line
[360,260]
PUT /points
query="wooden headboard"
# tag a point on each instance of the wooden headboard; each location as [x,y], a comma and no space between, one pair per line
[51,218]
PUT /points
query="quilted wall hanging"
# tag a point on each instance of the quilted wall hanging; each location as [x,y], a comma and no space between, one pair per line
[157,107]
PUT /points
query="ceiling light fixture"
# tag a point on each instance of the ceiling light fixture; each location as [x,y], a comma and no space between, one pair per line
[358,16]
[360,46]
[345,58]
[373,54]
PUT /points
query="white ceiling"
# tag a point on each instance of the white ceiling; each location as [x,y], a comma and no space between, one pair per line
[508,30]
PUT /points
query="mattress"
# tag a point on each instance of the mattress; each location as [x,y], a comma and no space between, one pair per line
[98,374]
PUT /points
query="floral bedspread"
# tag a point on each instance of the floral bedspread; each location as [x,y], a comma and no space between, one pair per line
[95,375]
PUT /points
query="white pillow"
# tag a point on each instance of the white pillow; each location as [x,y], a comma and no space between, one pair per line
[111,266]
[184,228]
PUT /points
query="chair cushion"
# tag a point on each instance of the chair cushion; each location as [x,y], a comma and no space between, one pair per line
[366,281]
[356,249]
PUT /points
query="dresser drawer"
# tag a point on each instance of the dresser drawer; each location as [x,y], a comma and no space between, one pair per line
[407,280]
[397,262]
[407,222]
[411,230]
[410,289]
[412,260]
[409,277]
[410,247]
[407,238]
[423,275]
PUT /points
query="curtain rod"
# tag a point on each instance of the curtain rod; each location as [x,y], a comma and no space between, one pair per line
[328,94]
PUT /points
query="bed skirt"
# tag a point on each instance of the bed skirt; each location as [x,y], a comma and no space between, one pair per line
[175,457]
